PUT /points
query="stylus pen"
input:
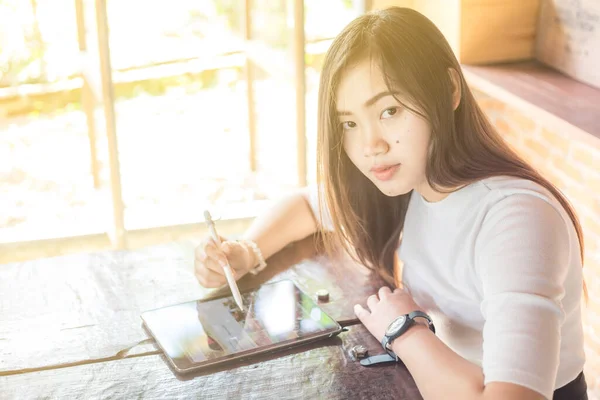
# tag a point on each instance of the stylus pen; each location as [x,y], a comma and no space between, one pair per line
[228,271]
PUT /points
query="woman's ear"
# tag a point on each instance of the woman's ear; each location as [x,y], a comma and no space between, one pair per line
[456,91]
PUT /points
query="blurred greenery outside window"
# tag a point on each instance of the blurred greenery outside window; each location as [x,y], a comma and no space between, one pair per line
[45,177]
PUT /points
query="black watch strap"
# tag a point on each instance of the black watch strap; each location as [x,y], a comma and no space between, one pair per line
[391,357]
[385,343]
[378,359]
[421,314]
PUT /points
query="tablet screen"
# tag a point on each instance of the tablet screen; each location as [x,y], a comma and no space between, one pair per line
[201,332]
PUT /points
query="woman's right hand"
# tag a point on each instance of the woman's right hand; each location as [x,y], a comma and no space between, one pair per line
[210,259]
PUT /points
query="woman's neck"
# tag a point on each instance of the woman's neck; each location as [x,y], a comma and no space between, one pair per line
[429,194]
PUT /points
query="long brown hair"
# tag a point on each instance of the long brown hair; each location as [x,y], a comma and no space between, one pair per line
[414,56]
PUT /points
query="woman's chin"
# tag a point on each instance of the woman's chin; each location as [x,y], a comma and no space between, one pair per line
[392,189]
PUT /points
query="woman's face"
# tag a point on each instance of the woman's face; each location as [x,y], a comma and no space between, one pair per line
[386,142]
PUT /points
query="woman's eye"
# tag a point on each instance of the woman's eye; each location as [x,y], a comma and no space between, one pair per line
[389,112]
[348,125]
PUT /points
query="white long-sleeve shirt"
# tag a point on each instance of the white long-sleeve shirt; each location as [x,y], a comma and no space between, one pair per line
[497,266]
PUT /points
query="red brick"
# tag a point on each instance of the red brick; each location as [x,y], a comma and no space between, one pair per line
[592,274]
[548,172]
[504,128]
[593,341]
[531,157]
[591,244]
[591,226]
[556,141]
[513,142]
[587,155]
[521,122]
[593,186]
[543,150]
[555,178]
[560,162]
[489,104]
[581,198]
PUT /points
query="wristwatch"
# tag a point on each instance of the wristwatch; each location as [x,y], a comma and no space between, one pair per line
[399,326]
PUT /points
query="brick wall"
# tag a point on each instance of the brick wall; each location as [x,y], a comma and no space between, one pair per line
[573,165]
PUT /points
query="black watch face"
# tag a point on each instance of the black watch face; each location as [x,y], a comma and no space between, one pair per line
[395,326]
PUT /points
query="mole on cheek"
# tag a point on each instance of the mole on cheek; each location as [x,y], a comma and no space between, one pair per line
[397,141]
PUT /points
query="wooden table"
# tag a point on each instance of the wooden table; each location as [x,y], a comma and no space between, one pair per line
[70,328]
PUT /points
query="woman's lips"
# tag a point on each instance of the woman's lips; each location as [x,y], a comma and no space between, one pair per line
[384,172]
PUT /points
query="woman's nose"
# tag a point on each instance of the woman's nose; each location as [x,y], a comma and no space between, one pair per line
[374,144]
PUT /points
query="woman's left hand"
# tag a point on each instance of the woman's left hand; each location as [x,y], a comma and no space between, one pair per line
[385,306]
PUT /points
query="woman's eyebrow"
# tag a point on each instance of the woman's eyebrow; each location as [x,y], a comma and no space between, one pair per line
[369,102]
[378,96]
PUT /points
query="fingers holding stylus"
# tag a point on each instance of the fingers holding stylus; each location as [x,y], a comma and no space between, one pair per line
[207,265]
[210,257]
[209,278]
[215,258]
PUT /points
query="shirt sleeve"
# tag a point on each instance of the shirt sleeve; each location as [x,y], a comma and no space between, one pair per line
[321,213]
[522,257]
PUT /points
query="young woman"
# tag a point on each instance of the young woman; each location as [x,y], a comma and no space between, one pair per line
[410,170]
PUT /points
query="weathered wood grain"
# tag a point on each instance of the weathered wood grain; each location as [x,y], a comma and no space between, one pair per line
[83,308]
[322,370]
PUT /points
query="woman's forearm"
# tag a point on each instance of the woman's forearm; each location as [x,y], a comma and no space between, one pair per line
[439,372]
[289,220]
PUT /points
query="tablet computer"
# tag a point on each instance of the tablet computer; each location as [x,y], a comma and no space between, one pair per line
[204,333]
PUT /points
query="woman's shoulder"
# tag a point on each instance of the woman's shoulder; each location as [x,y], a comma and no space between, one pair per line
[506,185]
[505,196]
[499,189]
